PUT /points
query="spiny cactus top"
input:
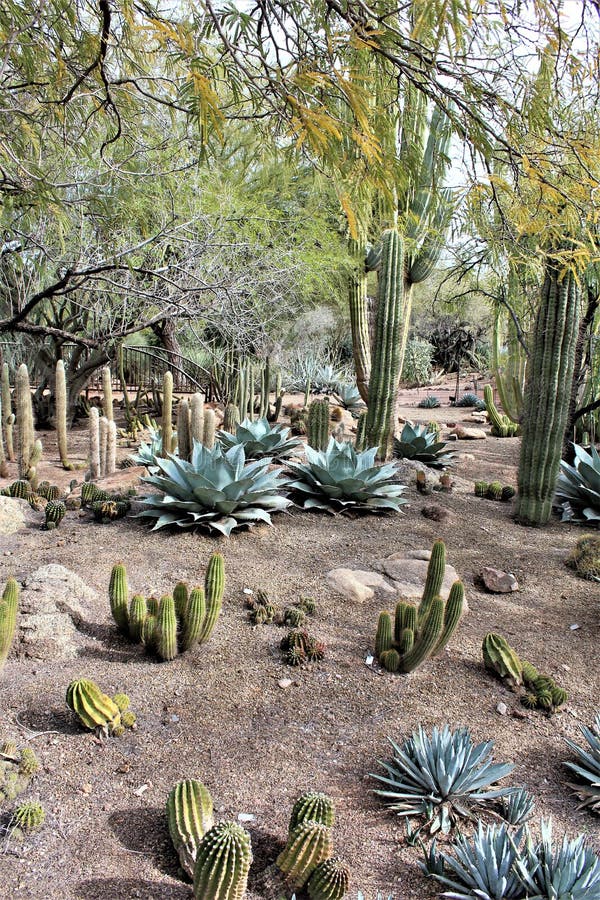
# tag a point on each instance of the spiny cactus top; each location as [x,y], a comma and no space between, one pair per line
[222,863]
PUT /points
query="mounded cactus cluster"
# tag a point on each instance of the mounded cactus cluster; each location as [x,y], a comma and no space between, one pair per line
[262,611]
[494,490]
[537,691]
[17,768]
[29,815]
[419,632]
[9,604]
[584,558]
[175,623]
[300,647]
[97,711]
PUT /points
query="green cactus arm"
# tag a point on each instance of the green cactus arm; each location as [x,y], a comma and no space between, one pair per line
[166,629]
[359,319]
[383,637]
[118,595]
[194,618]
[426,639]
[434,578]
[452,615]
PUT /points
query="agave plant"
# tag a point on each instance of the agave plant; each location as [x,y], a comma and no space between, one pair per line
[417,442]
[441,777]
[339,478]
[588,769]
[429,402]
[146,454]
[260,439]
[484,868]
[517,806]
[216,490]
[349,397]
[569,872]
[578,487]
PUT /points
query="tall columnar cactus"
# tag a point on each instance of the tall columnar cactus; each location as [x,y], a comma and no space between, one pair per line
[184,435]
[107,396]
[385,367]
[309,844]
[197,418]
[111,448]
[502,426]
[175,624]
[329,881]
[8,617]
[60,399]
[210,424]
[29,450]
[222,863]
[231,417]
[167,415]
[94,435]
[547,395]
[3,466]
[273,415]
[7,413]
[420,632]
[312,806]
[103,444]
[190,816]
[317,424]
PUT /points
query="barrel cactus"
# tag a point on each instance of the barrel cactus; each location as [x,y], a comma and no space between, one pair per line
[499,657]
[190,816]
[329,881]
[315,807]
[308,845]
[96,710]
[222,863]
[29,815]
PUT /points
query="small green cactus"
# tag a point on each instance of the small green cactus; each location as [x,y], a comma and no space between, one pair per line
[222,863]
[17,768]
[508,492]
[300,647]
[293,617]
[166,629]
[9,604]
[390,660]
[312,806]
[481,488]
[117,593]
[190,816]
[329,881]
[500,658]
[317,424]
[309,844]
[494,491]
[96,710]
[308,605]
[383,638]
[29,815]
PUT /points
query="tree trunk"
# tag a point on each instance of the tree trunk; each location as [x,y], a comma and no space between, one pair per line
[165,332]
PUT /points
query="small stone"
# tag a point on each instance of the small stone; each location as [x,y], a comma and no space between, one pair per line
[284,683]
[369,660]
[141,790]
[86,788]
[574,627]
[246,817]
[499,582]
[502,708]
[565,667]
[8,552]
[248,591]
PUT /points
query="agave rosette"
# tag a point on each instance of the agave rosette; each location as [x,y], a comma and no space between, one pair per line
[588,766]
[578,487]
[260,439]
[441,777]
[339,478]
[417,442]
[570,871]
[215,490]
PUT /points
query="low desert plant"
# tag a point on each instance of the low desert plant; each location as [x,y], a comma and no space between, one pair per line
[578,487]
[587,768]
[418,442]
[585,557]
[260,439]
[429,402]
[570,871]
[97,711]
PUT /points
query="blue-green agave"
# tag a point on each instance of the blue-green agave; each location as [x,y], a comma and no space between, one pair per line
[260,439]
[588,766]
[339,479]
[441,777]
[578,487]
[216,490]
[418,443]
[568,872]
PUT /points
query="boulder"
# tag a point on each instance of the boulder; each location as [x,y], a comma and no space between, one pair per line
[408,571]
[499,582]
[15,515]
[468,433]
[357,584]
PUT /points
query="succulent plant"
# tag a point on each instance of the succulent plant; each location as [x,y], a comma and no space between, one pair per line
[568,872]
[308,845]
[585,557]
[317,425]
[494,491]
[349,397]
[500,658]
[215,490]
[97,711]
[175,624]
[481,488]
[55,512]
[340,479]
[467,399]
[419,443]
[502,426]
[312,806]
[517,806]
[260,439]
[578,487]
[484,867]
[190,816]
[441,777]
[17,768]
[429,402]
[110,510]
[222,863]
[329,881]
[587,768]
[300,647]
[9,604]
[293,617]
[29,815]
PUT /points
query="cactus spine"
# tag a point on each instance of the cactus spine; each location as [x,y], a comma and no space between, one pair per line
[222,863]
[7,414]
[312,807]
[167,415]
[387,349]
[329,881]
[8,617]
[309,844]
[107,396]
[549,381]
[190,816]
[94,434]
[317,424]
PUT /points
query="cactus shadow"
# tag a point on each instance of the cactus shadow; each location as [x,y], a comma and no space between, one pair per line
[113,888]
[40,718]
[108,644]
[265,878]
[145,831]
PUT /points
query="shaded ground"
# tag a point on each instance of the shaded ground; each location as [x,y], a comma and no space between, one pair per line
[219,714]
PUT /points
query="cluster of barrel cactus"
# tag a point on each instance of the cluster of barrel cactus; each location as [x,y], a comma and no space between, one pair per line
[584,558]
[306,860]
[494,490]
[28,816]
[419,632]
[300,647]
[502,426]
[262,611]
[190,816]
[175,623]
[17,768]
[9,604]
[537,691]
[97,711]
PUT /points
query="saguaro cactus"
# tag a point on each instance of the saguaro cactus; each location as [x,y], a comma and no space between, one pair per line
[547,395]
[385,367]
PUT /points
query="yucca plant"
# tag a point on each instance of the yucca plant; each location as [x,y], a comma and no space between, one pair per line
[588,767]
[568,872]
[442,777]
[417,442]
[338,479]
[484,867]
[216,490]
[578,487]
[260,439]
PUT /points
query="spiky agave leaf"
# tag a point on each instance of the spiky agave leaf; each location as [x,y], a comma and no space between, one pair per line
[483,867]
[441,777]
[578,487]
[146,454]
[568,872]
[216,490]
[417,442]
[339,478]
[260,439]
[588,768]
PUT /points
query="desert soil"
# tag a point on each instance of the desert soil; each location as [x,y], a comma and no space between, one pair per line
[219,713]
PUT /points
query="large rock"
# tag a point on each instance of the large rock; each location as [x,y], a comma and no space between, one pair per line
[53,601]
[408,571]
[15,515]
[357,584]
[499,582]
[469,433]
